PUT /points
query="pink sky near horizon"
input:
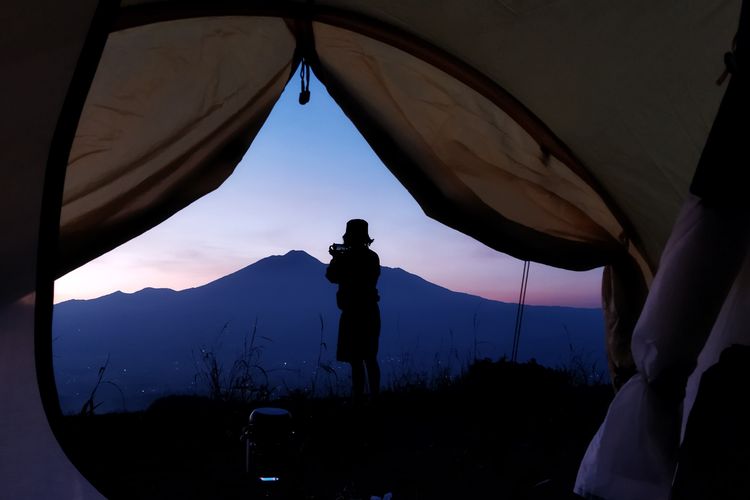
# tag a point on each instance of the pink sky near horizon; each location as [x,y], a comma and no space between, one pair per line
[307,172]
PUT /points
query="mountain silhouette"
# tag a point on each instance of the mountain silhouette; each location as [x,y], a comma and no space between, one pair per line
[153,339]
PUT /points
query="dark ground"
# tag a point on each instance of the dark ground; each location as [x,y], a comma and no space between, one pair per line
[502,431]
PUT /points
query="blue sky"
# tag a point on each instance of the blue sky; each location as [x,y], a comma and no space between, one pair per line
[307,172]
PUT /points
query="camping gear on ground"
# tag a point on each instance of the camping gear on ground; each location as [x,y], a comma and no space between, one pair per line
[269,441]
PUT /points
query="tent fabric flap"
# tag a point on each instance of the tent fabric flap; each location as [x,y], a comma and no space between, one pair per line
[630,88]
[171,111]
[475,158]
[635,452]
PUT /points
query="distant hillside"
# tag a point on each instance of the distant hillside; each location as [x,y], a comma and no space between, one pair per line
[154,337]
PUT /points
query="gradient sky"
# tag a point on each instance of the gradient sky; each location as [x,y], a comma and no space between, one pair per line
[307,172]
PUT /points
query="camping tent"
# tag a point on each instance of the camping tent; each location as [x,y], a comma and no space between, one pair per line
[566,133]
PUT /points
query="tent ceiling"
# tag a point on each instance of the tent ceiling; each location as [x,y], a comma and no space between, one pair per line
[598,133]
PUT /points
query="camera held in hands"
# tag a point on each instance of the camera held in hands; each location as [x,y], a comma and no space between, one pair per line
[338,249]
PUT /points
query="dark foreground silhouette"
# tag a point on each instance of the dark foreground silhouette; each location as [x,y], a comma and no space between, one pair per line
[500,431]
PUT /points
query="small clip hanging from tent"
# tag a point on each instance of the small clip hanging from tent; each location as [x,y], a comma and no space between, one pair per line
[304,76]
[730,63]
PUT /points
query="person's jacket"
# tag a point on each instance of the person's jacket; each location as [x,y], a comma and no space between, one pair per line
[356,272]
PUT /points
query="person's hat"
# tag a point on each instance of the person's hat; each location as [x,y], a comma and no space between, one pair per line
[356,231]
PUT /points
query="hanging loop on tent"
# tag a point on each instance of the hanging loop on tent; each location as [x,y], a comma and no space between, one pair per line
[731,67]
[304,76]
[519,311]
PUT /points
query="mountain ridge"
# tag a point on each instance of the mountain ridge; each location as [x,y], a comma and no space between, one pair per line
[152,336]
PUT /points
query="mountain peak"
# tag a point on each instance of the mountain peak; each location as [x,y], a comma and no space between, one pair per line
[291,263]
[291,257]
[298,254]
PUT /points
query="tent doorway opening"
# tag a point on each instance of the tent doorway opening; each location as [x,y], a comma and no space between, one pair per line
[264,235]
[306,173]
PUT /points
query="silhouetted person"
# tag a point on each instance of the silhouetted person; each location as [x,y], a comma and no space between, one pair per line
[356,268]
